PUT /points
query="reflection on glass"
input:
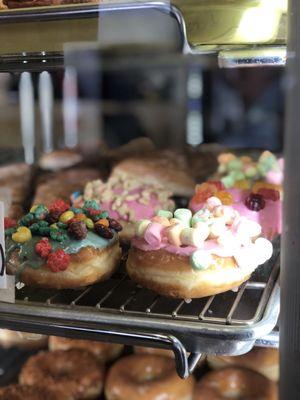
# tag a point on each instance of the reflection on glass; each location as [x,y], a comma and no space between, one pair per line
[222,22]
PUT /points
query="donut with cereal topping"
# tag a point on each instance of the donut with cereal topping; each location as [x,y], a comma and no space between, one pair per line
[62,246]
[126,200]
[188,256]
[76,373]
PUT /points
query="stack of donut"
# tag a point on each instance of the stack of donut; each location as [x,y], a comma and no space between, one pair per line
[75,370]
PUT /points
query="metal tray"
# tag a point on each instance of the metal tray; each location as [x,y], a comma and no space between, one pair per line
[118,310]
[36,34]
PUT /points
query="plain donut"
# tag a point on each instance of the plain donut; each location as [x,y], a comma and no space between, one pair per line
[21,392]
[149,377]
[262,360]
[235,383]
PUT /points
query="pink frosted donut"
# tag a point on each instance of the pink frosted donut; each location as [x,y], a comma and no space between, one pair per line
[127,200]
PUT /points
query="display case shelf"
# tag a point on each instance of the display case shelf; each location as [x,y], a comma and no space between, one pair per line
[118,310]
[40,32]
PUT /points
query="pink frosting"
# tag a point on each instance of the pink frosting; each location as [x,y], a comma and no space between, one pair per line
[127,200]
[141,211]
[270,217]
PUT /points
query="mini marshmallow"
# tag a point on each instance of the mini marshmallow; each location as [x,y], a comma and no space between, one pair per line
[175,221]
[161,220]
[184,215]
[247,228]
[191,237]
[263,249]
[201,260]
[165,214]
[173,234]
[153,234]
[201,215]
[228,241]
[213,202]
[227,213]
[245,258]
[202,230]
[217,227]
[141,226]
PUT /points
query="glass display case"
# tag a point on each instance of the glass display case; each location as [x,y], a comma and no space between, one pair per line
[110,80]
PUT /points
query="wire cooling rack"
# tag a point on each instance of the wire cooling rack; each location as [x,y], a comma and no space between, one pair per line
[119,310]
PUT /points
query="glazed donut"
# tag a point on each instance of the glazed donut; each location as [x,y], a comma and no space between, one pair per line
[127,201]
[76,373]
[104,352]
[235,383]
[153,351]
[262,360]
[147,376]
[165,168]
[192,256]
[63,247]
[22,340]
[22,392]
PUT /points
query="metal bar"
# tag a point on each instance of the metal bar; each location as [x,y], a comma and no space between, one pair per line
[206,307]
[110,292]
[235,303]
[290,273]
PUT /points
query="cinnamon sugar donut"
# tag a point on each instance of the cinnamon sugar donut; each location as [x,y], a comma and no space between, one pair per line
[22,392]
[235,383]
[149,377]
[104,352]
[22,340]
[76,373]
[262,360]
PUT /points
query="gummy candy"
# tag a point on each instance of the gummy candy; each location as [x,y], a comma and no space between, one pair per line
[225,197]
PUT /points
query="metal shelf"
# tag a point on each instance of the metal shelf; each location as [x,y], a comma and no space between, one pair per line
[230,56]
[118,310]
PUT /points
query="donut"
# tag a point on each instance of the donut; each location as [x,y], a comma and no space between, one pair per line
[153,351]
[23,340]
[23,392]
[146,376]
[235,383]
[262,360]
[127,201]
[234,170]
[104,352]
[165,168]
[61,184]
[76,373]
[62,246]
[262,203]
[59,159]
[188,256]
